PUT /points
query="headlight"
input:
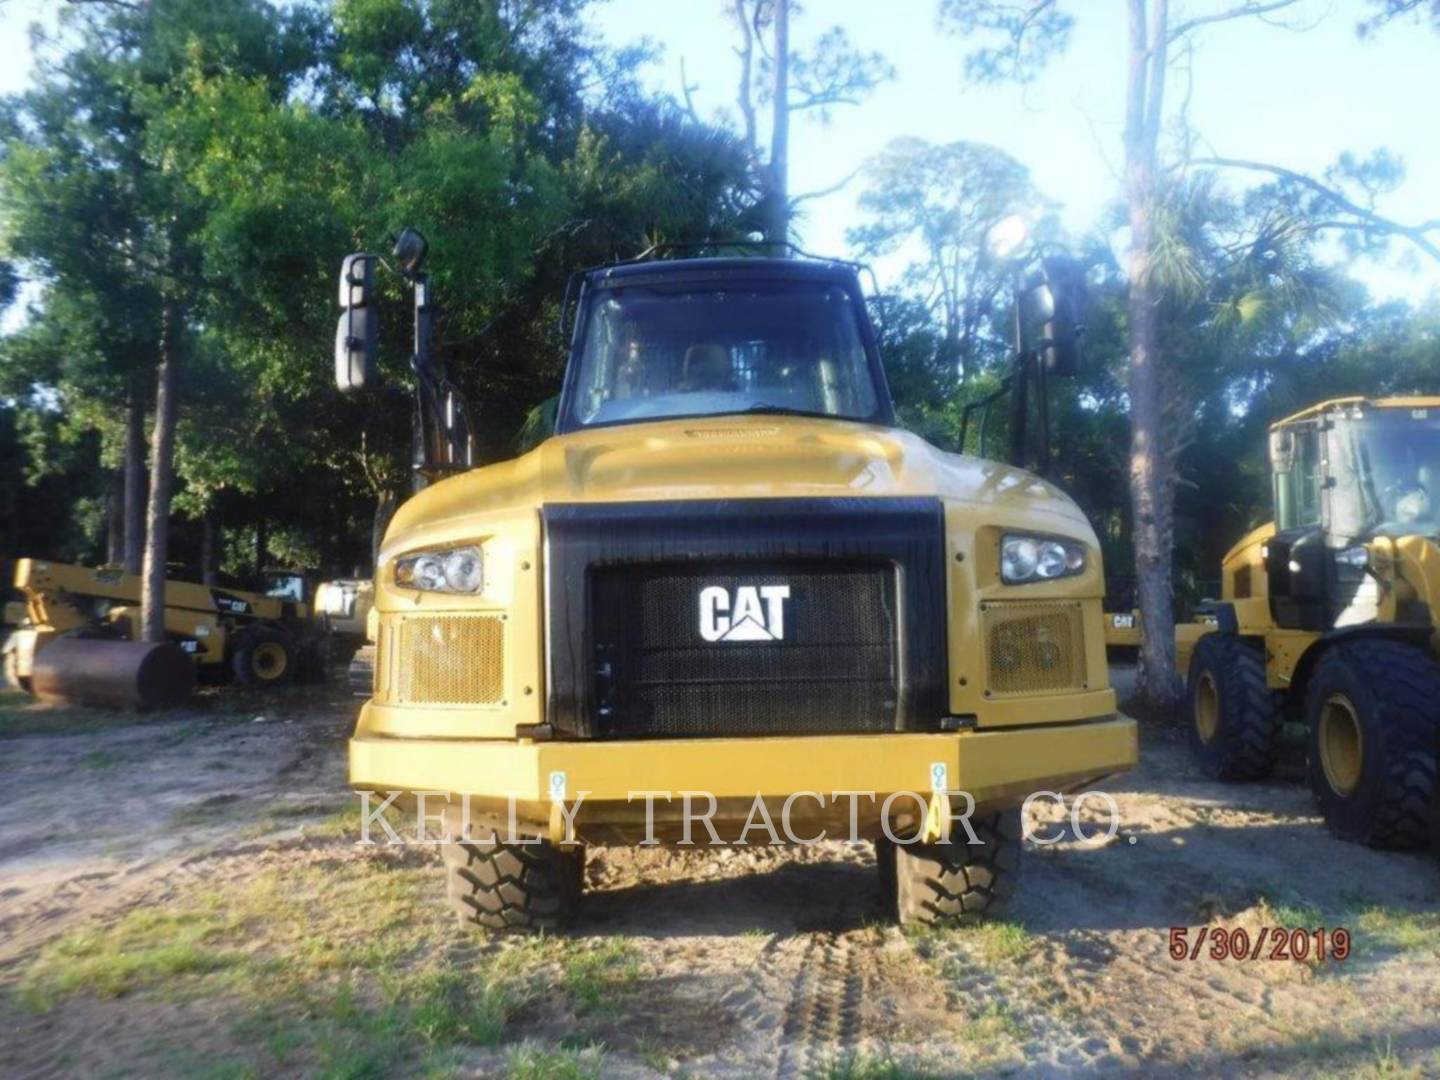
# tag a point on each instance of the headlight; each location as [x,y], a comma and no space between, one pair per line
[455,570]
[1025,559]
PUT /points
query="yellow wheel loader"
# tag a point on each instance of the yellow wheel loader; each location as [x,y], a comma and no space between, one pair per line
[730,590]
[1329,616]
[256,639]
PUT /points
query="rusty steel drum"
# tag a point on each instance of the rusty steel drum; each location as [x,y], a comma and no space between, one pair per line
[138,675]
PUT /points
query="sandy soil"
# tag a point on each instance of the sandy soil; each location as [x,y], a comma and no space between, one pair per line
[765,962]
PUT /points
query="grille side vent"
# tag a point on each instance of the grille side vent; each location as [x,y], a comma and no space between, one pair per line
[445,660]
[1034,647]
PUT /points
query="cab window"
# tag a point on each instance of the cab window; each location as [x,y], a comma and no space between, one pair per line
[1297,490]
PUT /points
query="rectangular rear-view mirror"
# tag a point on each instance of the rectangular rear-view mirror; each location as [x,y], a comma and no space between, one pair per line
[1061,352]
[356,334]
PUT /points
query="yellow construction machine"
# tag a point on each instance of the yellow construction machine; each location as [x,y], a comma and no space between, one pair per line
[730,582]
[346,607]
[257,638]
[1328,616]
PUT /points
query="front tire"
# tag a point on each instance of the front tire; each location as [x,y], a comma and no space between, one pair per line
[1371,709]
[954,884]
[513,887]
[1235,718]
[264,656]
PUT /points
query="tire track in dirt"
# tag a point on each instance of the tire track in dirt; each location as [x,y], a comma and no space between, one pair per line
[824,1018]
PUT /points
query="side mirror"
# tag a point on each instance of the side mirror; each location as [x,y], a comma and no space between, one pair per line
[1282,450]
[357,343]
[1065,325]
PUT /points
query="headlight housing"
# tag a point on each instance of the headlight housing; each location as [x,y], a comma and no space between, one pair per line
[1027,559]
[452,570]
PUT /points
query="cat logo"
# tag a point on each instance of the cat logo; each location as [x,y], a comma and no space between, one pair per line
[757,613]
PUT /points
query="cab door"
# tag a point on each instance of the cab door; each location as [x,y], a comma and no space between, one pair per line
[1297,557]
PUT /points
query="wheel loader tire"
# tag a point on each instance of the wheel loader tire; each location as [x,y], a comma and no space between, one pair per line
[1372,709]
[1235,719]
[264,656]
[513,887]
[361,672]
[954,884]
[314,667]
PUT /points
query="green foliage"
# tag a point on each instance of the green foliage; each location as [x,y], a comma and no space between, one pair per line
[1029,35]
[227,154]
[1387,11]
[944,201]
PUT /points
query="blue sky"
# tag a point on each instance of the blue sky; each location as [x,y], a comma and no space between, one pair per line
[1292,98]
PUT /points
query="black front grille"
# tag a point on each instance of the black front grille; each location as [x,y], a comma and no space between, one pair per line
[863,647]
[831,669]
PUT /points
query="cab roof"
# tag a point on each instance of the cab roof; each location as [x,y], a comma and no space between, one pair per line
[653,270]
[1418,402]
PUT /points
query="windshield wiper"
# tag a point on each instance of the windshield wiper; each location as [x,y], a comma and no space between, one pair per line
[780,410]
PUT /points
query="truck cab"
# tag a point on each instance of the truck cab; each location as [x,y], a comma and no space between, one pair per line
[730,588]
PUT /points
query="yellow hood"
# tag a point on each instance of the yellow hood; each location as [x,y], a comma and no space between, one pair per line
[738,457]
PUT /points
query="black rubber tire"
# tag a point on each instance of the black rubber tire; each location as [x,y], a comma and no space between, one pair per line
[361,672]
[315,666]
[954,884]
[248,643]
[1394,690]
[513,887]
[1246,739]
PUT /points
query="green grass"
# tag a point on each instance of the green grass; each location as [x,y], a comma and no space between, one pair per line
[998,942]
[597,975]
[1407,931]
[343,968]
[993,1026]
[535,1063]
[868,1067]
[1281,905]
[991,943]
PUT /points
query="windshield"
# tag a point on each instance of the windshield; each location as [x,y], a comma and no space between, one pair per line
[731,347]
[1388,472]
[285,587]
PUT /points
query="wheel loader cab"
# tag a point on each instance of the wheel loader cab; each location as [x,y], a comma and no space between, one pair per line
[729,580]
[1343,477]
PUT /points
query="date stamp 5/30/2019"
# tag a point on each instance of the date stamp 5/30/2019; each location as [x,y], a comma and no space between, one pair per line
[1267,943]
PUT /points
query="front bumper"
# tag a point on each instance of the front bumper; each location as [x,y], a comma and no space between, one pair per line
[517,781]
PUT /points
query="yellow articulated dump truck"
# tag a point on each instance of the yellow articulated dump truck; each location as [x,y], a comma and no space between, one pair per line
[1329,616]
[729,589]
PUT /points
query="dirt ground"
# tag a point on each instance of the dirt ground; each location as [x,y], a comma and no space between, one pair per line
[184,895]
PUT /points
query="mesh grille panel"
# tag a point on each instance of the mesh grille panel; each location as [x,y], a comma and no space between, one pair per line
[447,660]
[1034,648]
[833,669]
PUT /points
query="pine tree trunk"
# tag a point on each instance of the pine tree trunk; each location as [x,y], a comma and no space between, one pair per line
[134,527]
[209,547]
[1151,493]
[262,545]
[115,518]
[1152,490]
[778,208]
[162,455]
